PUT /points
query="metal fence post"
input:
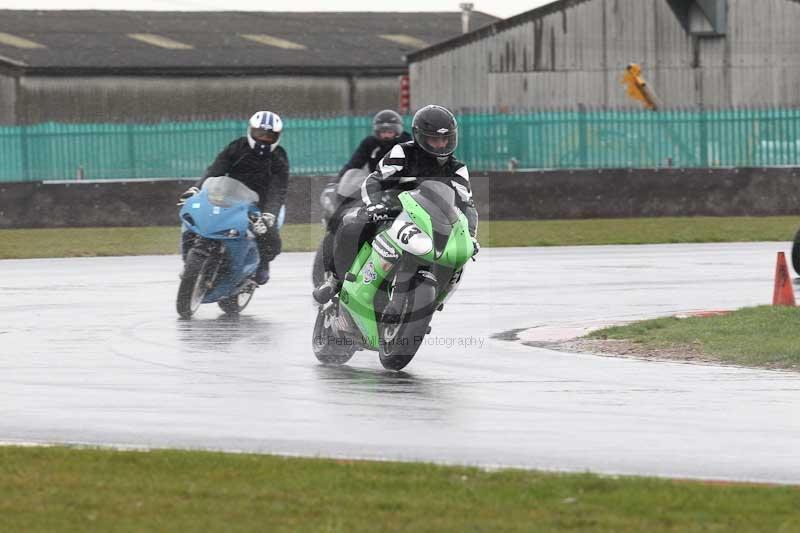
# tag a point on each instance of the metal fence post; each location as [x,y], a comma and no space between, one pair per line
[583,137]
[703,137]
[131,150]
[23,145]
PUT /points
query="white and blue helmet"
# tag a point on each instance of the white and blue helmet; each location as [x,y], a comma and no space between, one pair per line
[264,131]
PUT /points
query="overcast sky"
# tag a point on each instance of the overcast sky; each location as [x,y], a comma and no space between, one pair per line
[498,8]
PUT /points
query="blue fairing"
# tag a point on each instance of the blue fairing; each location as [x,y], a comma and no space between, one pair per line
[220,212]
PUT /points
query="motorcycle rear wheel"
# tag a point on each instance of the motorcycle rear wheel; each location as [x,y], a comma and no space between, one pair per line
[233,305]
[193,287]
[318,270]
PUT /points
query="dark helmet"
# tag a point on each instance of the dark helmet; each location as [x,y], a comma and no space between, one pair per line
[435,130]
[387,121]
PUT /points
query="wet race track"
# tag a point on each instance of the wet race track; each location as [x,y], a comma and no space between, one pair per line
[92,351]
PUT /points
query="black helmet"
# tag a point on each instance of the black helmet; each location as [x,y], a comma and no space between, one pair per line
[387,121]
[432,125]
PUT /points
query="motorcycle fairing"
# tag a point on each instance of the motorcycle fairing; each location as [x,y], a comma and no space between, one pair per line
[213,215]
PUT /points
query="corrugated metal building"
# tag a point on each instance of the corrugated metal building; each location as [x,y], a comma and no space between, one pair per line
[710,53]
[115,66]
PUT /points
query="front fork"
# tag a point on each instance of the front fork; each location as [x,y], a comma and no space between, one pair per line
[408,275]
[212,250]
[452,285]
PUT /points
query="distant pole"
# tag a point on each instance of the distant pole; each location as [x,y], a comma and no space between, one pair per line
[405,94]
[466,9]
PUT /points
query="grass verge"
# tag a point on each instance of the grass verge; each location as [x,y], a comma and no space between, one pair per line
[62,489]
[93,242]
[764,336]
[78,242]
[637,231]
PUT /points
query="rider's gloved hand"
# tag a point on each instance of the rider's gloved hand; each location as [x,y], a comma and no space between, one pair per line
[191,191]
[375,213]
[264,223]
[269,219]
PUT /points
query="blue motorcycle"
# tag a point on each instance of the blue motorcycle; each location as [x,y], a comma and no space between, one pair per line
[218,246]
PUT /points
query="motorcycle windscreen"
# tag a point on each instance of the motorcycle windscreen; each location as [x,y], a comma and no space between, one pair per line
[438,201]
[350,183]
[226,192]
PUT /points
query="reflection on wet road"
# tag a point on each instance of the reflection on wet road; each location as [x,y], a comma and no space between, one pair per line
[93,352]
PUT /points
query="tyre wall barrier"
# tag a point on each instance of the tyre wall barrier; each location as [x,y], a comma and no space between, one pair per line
[560,194]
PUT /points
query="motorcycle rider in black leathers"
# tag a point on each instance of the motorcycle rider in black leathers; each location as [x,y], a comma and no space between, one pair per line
[257,161]
[427,157]
[387,130]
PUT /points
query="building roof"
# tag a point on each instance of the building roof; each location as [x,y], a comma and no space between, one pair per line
[679,6]
[103,42]
[491,29]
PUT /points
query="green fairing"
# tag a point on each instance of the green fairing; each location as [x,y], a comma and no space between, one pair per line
[420,217]
[459,246]
[358,297]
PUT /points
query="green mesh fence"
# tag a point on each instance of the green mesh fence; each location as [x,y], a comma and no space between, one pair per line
[488,141]
[632,139]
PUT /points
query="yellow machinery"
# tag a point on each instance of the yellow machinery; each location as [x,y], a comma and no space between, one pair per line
[638,88]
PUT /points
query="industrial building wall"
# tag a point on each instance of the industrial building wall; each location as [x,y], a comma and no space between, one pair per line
[457,78]
[577,55]
[8,99]
[562,59]
[373,94]
[154,99]
[764,42]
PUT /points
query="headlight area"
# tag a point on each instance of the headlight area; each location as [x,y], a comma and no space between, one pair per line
[388,253]
[228,233]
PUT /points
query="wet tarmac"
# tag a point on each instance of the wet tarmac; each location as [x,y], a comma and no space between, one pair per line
[92,351]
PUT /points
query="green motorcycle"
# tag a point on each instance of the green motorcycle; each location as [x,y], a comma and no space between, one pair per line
[397,281]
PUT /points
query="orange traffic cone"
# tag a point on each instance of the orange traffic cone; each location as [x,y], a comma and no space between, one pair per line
[783,294]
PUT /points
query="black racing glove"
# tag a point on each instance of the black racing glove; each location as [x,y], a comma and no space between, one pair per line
[376,213]
[191,191]
[263,223]
[476,247]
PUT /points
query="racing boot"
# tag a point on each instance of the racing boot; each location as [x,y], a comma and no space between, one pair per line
[262,274]
[328,289]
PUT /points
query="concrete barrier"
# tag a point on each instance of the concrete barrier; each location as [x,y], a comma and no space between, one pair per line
[499,196]
[640,193]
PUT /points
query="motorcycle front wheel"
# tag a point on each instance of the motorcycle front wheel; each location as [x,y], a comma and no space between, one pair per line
[194,286]
[401,338]
[329,348]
